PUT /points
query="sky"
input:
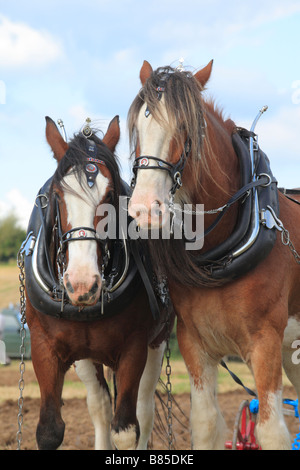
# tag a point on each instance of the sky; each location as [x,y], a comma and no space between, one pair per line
[71,60]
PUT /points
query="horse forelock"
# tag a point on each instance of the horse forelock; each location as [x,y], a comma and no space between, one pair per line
[76,157]
[183,104]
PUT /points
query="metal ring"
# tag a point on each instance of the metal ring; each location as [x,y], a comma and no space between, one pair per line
[40,196]
[268,176]
[177,178]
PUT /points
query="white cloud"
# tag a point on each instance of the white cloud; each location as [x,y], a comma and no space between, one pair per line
[220,27]
[22,45]
[79,114]
[280,133]
[278,138]
[14,202]
[272,12]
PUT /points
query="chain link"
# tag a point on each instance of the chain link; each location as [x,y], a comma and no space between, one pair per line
[285,234]
[176,207]
[169,389]
[169,392]
[285,239]
[20,263]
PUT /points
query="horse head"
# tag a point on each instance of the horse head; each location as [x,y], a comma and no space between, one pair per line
[84,179]
[166,124]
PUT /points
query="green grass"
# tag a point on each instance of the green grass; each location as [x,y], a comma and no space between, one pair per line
[73,387]
[9,285]
[225,383]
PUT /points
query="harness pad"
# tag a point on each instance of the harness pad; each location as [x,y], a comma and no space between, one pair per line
[222,263]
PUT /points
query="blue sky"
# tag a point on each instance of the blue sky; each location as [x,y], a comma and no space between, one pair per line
[74,59]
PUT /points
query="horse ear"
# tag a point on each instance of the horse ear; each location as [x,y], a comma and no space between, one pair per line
[145,72]
[55,140]
[112,135]
[204,74]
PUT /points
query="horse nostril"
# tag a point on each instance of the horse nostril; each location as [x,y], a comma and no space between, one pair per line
[156,207]
[68,284]
[95,286]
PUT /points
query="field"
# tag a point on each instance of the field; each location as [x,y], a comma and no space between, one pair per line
[9,285]
[79,429]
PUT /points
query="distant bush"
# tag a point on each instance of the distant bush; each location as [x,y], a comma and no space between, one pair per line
[11,237]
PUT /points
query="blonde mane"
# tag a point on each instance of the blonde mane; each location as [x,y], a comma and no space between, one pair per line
[183,101]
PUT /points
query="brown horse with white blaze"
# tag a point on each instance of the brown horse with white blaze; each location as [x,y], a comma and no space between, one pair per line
[185,155]
[129,341]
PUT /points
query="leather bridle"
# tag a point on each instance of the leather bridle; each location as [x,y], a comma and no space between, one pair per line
[83,233]
[149,162]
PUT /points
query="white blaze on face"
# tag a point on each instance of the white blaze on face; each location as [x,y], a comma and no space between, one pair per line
[82,278]
[150,197]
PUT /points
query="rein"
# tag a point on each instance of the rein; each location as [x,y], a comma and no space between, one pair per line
[263,181]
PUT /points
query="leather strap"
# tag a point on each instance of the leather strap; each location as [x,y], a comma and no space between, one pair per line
[135,249]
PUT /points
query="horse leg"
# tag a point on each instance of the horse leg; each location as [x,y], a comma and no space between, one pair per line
[125,427]
[266,364]
[291,355]
[207,423]
[50,375]
[146,402]
[98,401]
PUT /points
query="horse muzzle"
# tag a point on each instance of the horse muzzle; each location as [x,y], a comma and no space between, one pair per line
[83,292]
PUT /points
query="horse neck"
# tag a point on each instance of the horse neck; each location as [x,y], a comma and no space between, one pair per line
[216,176]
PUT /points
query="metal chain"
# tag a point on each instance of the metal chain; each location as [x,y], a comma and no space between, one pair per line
[285,239]
[195,212]
[285,234]
[169,392]
[20,263]
[173,209]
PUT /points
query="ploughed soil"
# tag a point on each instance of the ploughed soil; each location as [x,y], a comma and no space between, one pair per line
[79,433]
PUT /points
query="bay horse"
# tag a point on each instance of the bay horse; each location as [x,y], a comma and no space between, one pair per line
[72,328]
[186,152]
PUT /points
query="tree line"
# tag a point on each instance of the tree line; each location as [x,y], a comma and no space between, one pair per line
[11,238]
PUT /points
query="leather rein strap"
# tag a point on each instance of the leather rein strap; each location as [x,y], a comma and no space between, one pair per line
[263,181]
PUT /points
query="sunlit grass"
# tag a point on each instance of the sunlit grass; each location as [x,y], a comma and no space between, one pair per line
[9,285]
[74,388]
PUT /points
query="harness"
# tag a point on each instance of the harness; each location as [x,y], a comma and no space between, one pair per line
[174,170]
[255,233]
[123,263]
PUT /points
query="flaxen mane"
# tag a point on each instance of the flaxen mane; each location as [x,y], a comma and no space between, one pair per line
[186,112]
[183,102]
